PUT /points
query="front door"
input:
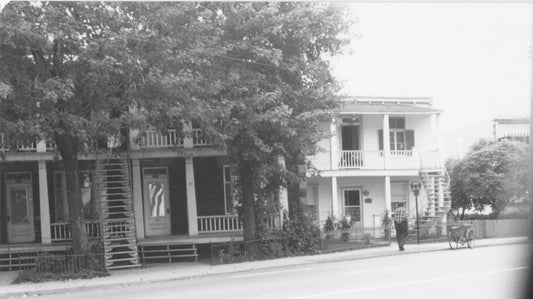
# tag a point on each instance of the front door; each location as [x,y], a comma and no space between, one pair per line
[352,204]
[20,220]
[156,201]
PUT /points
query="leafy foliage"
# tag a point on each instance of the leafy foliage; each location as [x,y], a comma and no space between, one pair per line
[253,76]
[492,174]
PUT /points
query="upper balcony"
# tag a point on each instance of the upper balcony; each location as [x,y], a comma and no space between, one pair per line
[381,136]
[376,160]
[151,139]
[25,146]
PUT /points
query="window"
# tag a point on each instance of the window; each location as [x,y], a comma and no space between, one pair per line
[61,212]
[398,195]
[228,190]
[400,139]
[352,204]
[311,201]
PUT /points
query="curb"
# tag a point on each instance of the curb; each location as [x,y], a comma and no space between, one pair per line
[252,267]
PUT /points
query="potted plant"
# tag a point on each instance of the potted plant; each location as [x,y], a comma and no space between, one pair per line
[345,228]
[386,223]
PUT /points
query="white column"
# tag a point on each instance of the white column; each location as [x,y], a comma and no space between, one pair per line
[192,214]
[137,198]
[187,140]
[334,198]
[386,141]
[334,146]
[283,196]
[46,235]
[437,141]
[134,134]
[41,146]
[388,201]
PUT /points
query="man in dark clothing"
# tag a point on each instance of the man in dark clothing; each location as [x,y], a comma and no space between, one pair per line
[400,224]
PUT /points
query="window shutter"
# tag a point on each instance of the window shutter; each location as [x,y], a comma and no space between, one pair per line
[380,139]
[409,139]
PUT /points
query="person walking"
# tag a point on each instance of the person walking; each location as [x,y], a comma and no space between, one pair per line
[400,225]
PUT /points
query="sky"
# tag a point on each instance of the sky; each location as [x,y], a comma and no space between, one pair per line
[472,59]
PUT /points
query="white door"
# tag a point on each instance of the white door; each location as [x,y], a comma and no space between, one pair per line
[156,202]
[20,221]
[352,204]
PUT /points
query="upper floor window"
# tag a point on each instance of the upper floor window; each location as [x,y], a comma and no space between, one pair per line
[400,139]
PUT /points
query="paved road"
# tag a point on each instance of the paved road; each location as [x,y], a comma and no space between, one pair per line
[484,272]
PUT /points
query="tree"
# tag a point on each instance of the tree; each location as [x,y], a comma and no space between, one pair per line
[253,76]
[76,72]
[277,91]
[491,174]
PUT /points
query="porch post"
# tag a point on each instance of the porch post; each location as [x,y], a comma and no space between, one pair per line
[192,214]
[437,141]
[386,141]
[137,198]
[388,201]
[283,196]
[46,235]
[334,146]
[334,197]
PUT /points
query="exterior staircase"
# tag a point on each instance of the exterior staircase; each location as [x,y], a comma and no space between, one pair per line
[436,184]
[116,213]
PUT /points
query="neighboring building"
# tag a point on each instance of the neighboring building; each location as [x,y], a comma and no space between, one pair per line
[377,147]
[164,200]
[512,129]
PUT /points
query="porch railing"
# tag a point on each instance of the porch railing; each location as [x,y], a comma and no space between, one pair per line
[61,231]
[231,223]
[220,223]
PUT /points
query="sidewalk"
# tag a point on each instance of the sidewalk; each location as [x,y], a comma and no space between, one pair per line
[178,271]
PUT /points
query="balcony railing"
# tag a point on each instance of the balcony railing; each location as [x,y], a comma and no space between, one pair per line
[373,159]
[25,146]
[352,159]
[199,138]
[156,139]
[170,138]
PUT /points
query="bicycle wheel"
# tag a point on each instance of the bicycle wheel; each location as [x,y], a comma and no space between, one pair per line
[470,238]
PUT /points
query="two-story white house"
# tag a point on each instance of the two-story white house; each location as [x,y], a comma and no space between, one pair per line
[376,148]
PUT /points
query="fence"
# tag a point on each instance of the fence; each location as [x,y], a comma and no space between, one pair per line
[498,228]
[51,262]
[238,251]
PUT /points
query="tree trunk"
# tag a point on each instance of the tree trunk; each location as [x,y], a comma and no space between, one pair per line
[246,175]
[69,154]
[462,214]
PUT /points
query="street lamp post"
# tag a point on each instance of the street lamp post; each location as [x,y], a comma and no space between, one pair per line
[415,186]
